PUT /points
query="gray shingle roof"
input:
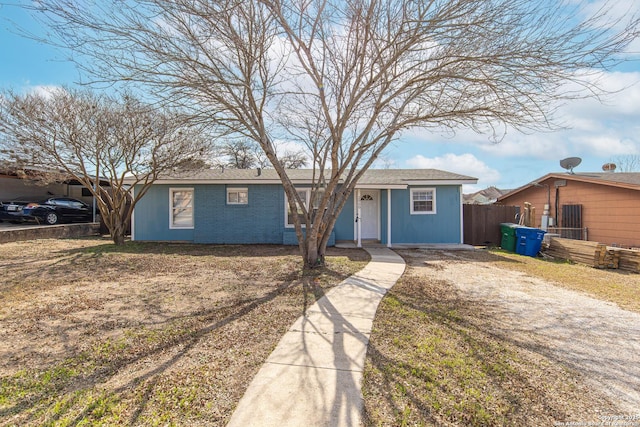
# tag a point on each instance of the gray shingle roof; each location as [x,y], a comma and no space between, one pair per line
[632,178]
[402,176]
[371,176]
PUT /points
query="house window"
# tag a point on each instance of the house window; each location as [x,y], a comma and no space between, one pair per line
[423,201]
[305,195]
[237,196]
[316,203]
[181,208]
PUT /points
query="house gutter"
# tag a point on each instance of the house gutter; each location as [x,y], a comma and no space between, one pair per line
[461,216]
[358,219]
[388,217]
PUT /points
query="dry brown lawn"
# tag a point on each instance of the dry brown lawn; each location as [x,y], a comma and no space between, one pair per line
[447,349]
[148,333]
[172,334]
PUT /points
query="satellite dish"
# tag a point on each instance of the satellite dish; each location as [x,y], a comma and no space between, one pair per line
[609,167]
[570,162]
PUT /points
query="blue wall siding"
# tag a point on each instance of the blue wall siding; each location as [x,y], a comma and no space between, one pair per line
[343,228]
[383,216]
[259,221]
[262,219]
[442,227]
[289,237]
[151,218]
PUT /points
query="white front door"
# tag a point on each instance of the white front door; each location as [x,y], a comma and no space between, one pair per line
[369,214]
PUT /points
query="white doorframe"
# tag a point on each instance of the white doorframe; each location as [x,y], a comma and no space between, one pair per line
[357,215]
[388,217]
[375,194]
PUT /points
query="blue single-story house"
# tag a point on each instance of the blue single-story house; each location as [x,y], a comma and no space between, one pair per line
[248,206]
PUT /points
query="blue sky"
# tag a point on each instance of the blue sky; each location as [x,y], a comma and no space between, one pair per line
[597,132]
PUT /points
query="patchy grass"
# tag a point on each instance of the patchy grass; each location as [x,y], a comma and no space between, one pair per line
[146,333]
[434,359]
[617,286]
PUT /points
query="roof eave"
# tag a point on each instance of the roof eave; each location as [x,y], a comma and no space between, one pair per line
[442,181]
[524,187]
[571,177]
[381,186]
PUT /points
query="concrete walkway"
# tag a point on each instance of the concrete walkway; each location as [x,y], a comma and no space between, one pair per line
[314,375]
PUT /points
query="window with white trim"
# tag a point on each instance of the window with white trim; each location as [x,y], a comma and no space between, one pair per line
[237,196]
[305,195]
[423,201]
[181,208]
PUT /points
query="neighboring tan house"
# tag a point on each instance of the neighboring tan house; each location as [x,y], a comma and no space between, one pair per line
[606,204]
[245,206]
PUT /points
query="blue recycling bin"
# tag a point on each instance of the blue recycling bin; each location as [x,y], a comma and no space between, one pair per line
[529,240]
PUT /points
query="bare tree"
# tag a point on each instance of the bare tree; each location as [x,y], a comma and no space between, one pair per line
[246,154]
[293,160]
[345,78]
[240,154]
[96,138]
[628,163]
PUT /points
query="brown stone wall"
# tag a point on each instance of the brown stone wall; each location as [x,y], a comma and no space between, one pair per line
[49,232]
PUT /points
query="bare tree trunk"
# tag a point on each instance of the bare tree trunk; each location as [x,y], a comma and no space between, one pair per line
[117,226]
[118,234]
[322,250]
[312,252]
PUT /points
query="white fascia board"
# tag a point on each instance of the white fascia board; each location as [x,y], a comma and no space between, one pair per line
[306,182]
[443,182]
[271,181]
[218,181]
[381,186]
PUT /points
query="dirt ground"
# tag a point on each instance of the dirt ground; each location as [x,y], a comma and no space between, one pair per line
[171,334]
[595,338]
[145,334]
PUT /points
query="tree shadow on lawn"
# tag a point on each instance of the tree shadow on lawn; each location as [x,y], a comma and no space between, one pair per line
[184,341]
[170,340]
[443,360]
[210,249]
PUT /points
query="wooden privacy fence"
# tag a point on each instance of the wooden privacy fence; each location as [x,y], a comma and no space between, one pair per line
[594,254]
[481,223]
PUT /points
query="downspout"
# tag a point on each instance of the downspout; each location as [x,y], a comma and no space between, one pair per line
[557,207]
[133,214]
[388,217]
[358,219]
[461,216]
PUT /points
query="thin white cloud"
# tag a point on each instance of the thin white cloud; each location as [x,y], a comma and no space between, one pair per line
[46,91]
[614,15]
[620,100]
[543,146]
[605,146]
[465,164]
[593,128]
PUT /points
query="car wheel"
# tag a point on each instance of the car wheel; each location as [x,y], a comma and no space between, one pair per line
[51,218]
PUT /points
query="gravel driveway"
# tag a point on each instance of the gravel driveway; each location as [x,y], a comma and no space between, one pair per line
[596,338]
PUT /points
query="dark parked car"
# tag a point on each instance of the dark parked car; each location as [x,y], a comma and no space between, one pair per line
[51,210]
